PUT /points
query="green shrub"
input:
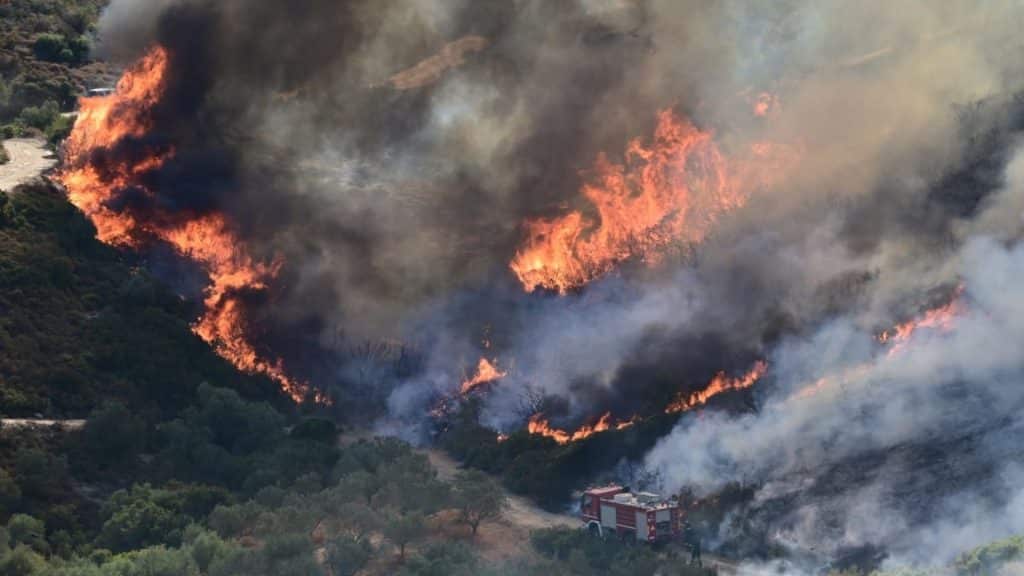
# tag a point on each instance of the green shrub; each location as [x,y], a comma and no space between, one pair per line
[40,117]
[987,559]
[58,48]
[59,129]
[22,561]
[49,47]
[23,529]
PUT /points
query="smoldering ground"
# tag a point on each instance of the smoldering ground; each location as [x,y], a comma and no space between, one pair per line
[397,207]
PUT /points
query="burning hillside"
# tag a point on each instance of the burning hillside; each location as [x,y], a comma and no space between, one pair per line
[667,194]
[96,176]
[643,205]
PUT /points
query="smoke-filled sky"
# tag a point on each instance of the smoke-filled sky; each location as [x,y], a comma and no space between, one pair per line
[392,172]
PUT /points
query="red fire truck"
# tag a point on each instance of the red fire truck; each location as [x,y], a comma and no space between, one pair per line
[614,510]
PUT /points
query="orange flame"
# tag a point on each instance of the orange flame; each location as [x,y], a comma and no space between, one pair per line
[941,318]
[486,372]
[764,104]
[669,192]
[719,384]
[102,124]
[540,426]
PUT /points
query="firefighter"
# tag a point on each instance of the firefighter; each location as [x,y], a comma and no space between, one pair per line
[692,539]
[695,552]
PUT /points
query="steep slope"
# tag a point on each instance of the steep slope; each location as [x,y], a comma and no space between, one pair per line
[80,323]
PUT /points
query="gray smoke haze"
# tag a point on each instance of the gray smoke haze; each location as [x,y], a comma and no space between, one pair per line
[397,212]
[956,393]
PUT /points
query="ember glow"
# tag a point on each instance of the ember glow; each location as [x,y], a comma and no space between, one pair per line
[764,104]
[668,193]
[542,427]
[719,384]
[103,124]
[486,371]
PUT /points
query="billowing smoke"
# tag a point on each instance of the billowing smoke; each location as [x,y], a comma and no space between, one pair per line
[389,152]
[926,432]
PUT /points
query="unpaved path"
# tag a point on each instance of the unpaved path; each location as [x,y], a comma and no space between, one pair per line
[521,512]
[29,159]
[38,423]
[509,537]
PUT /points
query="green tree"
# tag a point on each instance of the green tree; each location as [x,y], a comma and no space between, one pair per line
[40,475]
[156,561]
[363,483]
[356,520]
[22,561]
[206,547]
[113,436]
[443,559]
[26,530]
[142,517]
[288,554]
[51,48]
[404,529]
[316,429]
[410,484]
[346,555]
[233,521]
[478,498]
[10,493]
[40,117]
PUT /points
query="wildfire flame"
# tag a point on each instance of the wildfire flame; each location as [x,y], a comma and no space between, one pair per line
[540,426]
[668,192]
[719,384]
[764,104]
[426,72]
[107,121]
[486,372]
[941,318]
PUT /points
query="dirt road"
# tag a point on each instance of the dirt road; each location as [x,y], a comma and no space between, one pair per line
[521,512]
[29,159]
[34,423]
[510,536]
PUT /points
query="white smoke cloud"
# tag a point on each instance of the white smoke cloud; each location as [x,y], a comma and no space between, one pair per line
[940,390]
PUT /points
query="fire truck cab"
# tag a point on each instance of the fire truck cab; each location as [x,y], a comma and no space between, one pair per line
[614,510]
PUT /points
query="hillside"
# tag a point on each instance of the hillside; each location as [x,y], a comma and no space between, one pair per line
[242,295]
[45,63]
[83,324]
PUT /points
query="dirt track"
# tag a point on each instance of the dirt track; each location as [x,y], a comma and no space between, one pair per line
[521,512]
[510,536]
[34,423]
[29,159]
